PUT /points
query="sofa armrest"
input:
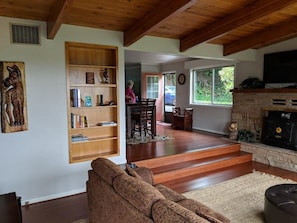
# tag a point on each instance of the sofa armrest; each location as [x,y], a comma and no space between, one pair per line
[141,173]
[169,194]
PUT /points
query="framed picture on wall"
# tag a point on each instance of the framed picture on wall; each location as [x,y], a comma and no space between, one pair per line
[13,97]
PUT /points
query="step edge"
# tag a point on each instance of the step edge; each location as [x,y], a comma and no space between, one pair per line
[186,172]
[202,161]
[177,158]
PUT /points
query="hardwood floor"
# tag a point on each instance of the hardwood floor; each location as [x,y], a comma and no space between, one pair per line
[69,209]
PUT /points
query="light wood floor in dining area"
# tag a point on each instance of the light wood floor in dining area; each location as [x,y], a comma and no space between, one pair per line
[69,209]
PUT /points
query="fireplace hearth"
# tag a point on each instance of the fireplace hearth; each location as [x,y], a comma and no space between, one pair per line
[280,129]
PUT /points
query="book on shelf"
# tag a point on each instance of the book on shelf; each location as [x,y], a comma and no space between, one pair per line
[75,100]
[90,78]
[78,121]
[106,123]
[79,138]
[88,101]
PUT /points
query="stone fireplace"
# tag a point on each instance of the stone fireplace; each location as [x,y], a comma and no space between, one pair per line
[271,114]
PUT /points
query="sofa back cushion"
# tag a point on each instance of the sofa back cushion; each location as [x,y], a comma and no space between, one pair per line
[137,192]
[106,169]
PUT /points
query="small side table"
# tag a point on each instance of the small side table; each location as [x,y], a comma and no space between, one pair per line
[10,208]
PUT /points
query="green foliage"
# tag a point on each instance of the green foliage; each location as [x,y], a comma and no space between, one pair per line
[245,135]
[223,82]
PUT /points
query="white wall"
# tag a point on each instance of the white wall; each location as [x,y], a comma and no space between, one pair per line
[34,163]
[216,119]
[206,118]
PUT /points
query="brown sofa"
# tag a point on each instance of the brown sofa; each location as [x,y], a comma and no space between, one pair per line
[130,196]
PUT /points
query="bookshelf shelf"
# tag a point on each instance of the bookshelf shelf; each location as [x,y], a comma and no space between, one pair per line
[95,139]
[92,86]
[91,66]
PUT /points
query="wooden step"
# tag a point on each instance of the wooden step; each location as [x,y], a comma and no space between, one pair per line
[184,165]
[202,166]
[193,155]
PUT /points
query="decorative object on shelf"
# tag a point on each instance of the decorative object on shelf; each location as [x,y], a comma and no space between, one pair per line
[181,78]
[233,131]
[88,101]
[105,76]
[101,103]
[252,83]
[75,100]
[90,78]
[13,97]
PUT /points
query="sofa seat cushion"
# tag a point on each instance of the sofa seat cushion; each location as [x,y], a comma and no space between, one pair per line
[203,211]
[137,192]
[106,169]
[164,211]
[169,193]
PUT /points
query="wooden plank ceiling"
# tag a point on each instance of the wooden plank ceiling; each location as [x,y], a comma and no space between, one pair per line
[235,24]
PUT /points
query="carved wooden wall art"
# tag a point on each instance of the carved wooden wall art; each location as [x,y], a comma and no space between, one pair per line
[13,97]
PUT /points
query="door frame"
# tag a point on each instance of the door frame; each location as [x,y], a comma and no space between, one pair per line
[159,100]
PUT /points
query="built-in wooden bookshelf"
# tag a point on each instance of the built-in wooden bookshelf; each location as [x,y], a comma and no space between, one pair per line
[92,94]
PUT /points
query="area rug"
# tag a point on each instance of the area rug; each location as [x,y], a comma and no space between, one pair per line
[147,139]
[240,199]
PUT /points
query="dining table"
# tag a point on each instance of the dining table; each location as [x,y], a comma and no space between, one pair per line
[134,108]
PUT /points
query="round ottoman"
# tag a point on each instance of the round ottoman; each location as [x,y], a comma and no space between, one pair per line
[281,204]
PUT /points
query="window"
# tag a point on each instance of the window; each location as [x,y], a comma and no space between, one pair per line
[152,87]
[212,85]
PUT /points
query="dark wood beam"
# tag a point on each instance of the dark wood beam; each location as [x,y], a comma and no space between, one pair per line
[241,17]
[274,34]
[163,11]
[55,19]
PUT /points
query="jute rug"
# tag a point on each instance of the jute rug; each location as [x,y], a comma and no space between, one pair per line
[240,199]
[137,139]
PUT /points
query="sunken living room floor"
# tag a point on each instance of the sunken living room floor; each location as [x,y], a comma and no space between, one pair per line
[72,208]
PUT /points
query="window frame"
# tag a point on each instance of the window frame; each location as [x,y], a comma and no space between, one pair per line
[150,89]
[214,66]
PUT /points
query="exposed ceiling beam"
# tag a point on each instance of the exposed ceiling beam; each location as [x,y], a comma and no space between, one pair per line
[241,17]
[280,32]
[55,19]
[163,11]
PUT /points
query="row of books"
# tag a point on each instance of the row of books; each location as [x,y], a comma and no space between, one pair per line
[78,121]
[79,138]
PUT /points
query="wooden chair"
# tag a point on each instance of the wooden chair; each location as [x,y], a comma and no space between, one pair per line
[10,208]
[143,119]
[182,121]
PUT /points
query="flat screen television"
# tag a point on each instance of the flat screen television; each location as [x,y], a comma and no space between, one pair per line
[280,67]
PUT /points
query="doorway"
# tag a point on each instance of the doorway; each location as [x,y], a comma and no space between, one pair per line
[169,95]
[152,87]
